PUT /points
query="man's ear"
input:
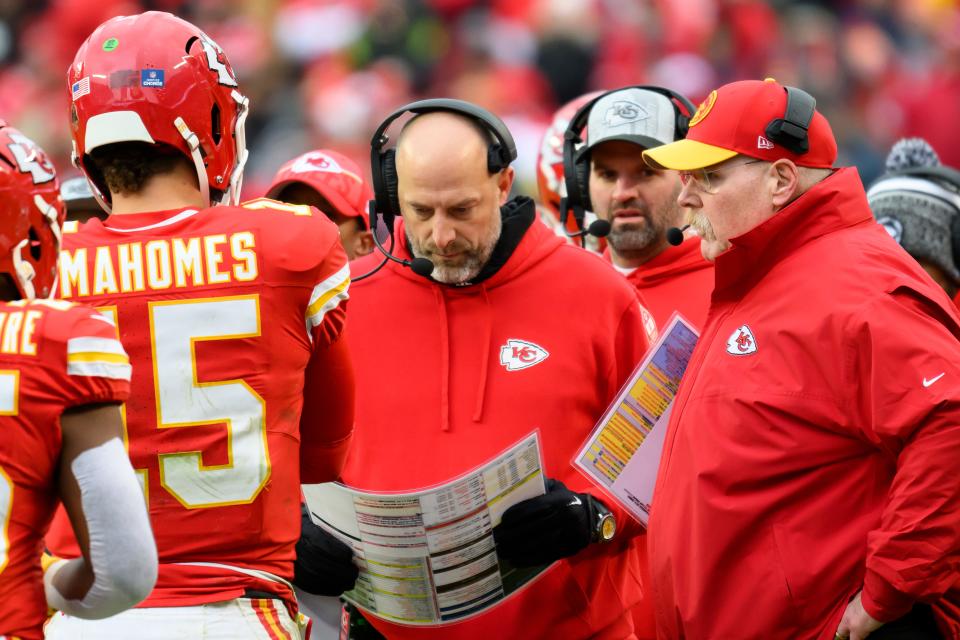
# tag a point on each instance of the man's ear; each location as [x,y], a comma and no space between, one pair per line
[504,183]
[786,184]
[363,244]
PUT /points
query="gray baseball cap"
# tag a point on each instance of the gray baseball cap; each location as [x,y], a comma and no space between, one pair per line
[643,117]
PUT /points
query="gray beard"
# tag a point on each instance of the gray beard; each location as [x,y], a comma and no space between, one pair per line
[469,270]
[632,238]
[472,264]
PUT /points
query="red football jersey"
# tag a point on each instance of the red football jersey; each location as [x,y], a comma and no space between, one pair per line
[53,355]
[220,310]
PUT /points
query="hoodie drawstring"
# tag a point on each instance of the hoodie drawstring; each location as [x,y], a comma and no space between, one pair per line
[486,346]
[485,361]
[444,361]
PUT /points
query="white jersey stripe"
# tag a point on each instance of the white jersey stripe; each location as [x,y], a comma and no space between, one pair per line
[112,370]
[183,215]
[94,345]
[327,295]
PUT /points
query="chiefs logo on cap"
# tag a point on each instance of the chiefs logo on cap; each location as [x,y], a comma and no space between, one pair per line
[624,112]
[704,108]
[316,161]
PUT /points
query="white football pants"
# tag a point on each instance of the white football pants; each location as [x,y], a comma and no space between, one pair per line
[240,619]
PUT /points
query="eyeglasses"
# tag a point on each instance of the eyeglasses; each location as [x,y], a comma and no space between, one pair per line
[701,177]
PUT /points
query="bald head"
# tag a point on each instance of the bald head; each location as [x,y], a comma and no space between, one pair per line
[441,139]
[449,201]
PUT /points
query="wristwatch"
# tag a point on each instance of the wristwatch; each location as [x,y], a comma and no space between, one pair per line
[605,524]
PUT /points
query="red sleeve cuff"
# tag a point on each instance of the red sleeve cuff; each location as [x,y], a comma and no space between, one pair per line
[882,601]
[323,462]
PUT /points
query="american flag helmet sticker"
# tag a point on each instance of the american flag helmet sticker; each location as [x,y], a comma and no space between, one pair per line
[80,88]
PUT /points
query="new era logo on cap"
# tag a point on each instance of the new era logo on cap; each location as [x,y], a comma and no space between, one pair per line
[763,143]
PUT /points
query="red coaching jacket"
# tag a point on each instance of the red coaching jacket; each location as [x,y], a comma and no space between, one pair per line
[813,446]
[451,382]
[679,279]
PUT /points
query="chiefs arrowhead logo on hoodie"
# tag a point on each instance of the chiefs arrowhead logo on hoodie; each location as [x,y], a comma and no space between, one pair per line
[520,354]
[742,342]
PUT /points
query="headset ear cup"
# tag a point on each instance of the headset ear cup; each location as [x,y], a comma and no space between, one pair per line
[389,176]
[495,159]
[582,169]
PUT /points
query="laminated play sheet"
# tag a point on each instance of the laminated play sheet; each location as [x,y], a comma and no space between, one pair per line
[622,454]
[427,557]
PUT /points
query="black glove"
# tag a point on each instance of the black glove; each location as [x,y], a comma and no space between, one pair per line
[324,565]
[540,530]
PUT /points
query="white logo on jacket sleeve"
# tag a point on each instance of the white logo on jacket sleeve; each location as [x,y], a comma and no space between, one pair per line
[520,354]
[649,325]
[927,383]
[741,342]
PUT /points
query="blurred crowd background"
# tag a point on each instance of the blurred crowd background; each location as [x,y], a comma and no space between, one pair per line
[325,72]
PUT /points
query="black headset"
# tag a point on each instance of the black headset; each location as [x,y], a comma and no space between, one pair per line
[576,164]
[790,131]
[383,162]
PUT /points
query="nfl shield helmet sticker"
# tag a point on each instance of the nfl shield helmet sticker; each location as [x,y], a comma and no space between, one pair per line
[151,78]
[741,342]
[520,354]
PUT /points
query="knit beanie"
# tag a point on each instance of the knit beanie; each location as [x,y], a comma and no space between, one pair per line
[918,202]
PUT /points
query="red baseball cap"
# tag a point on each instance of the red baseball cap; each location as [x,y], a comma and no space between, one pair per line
[333,175]
[733,120]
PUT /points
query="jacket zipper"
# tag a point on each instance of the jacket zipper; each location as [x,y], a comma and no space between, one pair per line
[687,384]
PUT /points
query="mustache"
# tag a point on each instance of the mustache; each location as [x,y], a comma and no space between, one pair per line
[456,246]
[700,223]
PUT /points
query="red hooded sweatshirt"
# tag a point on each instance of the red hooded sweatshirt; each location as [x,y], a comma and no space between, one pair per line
[812,450]
[442,399]
[679,279]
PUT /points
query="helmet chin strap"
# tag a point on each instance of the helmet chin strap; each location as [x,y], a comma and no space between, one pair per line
[24,270]
[193,142]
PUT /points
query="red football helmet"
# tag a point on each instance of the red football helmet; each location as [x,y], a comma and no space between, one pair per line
[156,78]
[31,215]
[550,159]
